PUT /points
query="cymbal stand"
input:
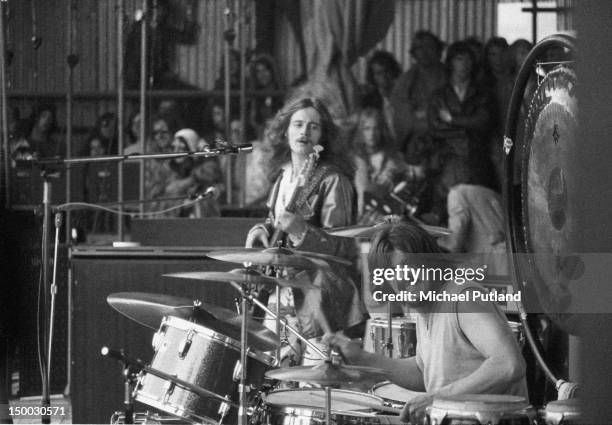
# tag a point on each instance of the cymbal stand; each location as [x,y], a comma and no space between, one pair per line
[327,405]
[278,273]
[242,418]
[291,329]
[129,377]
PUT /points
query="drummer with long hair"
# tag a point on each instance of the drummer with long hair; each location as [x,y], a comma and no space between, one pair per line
[325,200]
[463,347]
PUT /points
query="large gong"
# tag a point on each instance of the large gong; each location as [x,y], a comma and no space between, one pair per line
[541,179]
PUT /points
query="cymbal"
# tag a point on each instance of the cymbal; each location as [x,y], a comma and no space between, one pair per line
[324,257]
[239,276]
[327,373]
[368,232]
[149,309]
[284,257]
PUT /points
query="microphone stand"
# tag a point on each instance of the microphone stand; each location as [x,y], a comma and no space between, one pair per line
[48,164]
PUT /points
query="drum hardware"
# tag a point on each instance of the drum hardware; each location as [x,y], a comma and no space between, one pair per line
[247,276]
[185,344]
[394,395]
[562,412]
[140,365]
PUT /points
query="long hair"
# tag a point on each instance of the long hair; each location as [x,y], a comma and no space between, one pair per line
[333,148]
[399,236]
[387,61]
[385,140]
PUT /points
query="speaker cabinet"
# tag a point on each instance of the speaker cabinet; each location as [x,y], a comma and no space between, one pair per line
[97,385]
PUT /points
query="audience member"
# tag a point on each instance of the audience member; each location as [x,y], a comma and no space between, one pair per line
[263,77]
[475,216]
[412,94]
[41,135]
[382,73]
[460,113]
[103,137]
[477,48]
[132,131]
[157,171]
[379,165]
[251,170]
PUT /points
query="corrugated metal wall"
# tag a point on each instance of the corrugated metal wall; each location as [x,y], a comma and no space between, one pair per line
[199,64]
[451,20]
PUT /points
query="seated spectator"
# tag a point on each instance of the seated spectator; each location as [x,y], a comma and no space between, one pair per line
[382,73]
[132,130]
[263,77]
[412,94]
[181,182]
[103,137]
[157,171]
[252,169]
[379,165]
[475,216]
[41,136]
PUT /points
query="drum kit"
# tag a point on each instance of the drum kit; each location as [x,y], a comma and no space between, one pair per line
[214,366]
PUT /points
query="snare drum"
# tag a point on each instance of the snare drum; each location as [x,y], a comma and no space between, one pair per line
[563,412]
[394,395]
[403,333]
[306,406]
[202,357]
[480,409]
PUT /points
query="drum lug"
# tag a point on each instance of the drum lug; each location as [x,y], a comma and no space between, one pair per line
[169,386]
[223,409]
[185,344]
[237,371]
[158,338]
[508,143]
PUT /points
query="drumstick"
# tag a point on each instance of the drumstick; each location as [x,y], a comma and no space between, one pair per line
[361,403]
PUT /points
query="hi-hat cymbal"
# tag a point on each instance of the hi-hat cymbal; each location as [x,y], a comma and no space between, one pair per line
[327,373]
[368,231]
[264,257]
[149,310]
[240,276]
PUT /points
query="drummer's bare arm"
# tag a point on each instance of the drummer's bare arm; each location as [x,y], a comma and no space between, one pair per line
[403,372]
[503,364]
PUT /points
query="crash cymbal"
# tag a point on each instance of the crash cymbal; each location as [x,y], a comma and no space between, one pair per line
[149,310]
[264,257]
[327,373]
[367,231]
[239,276]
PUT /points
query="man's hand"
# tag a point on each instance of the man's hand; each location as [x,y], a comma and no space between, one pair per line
[351,350]
[414,410]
